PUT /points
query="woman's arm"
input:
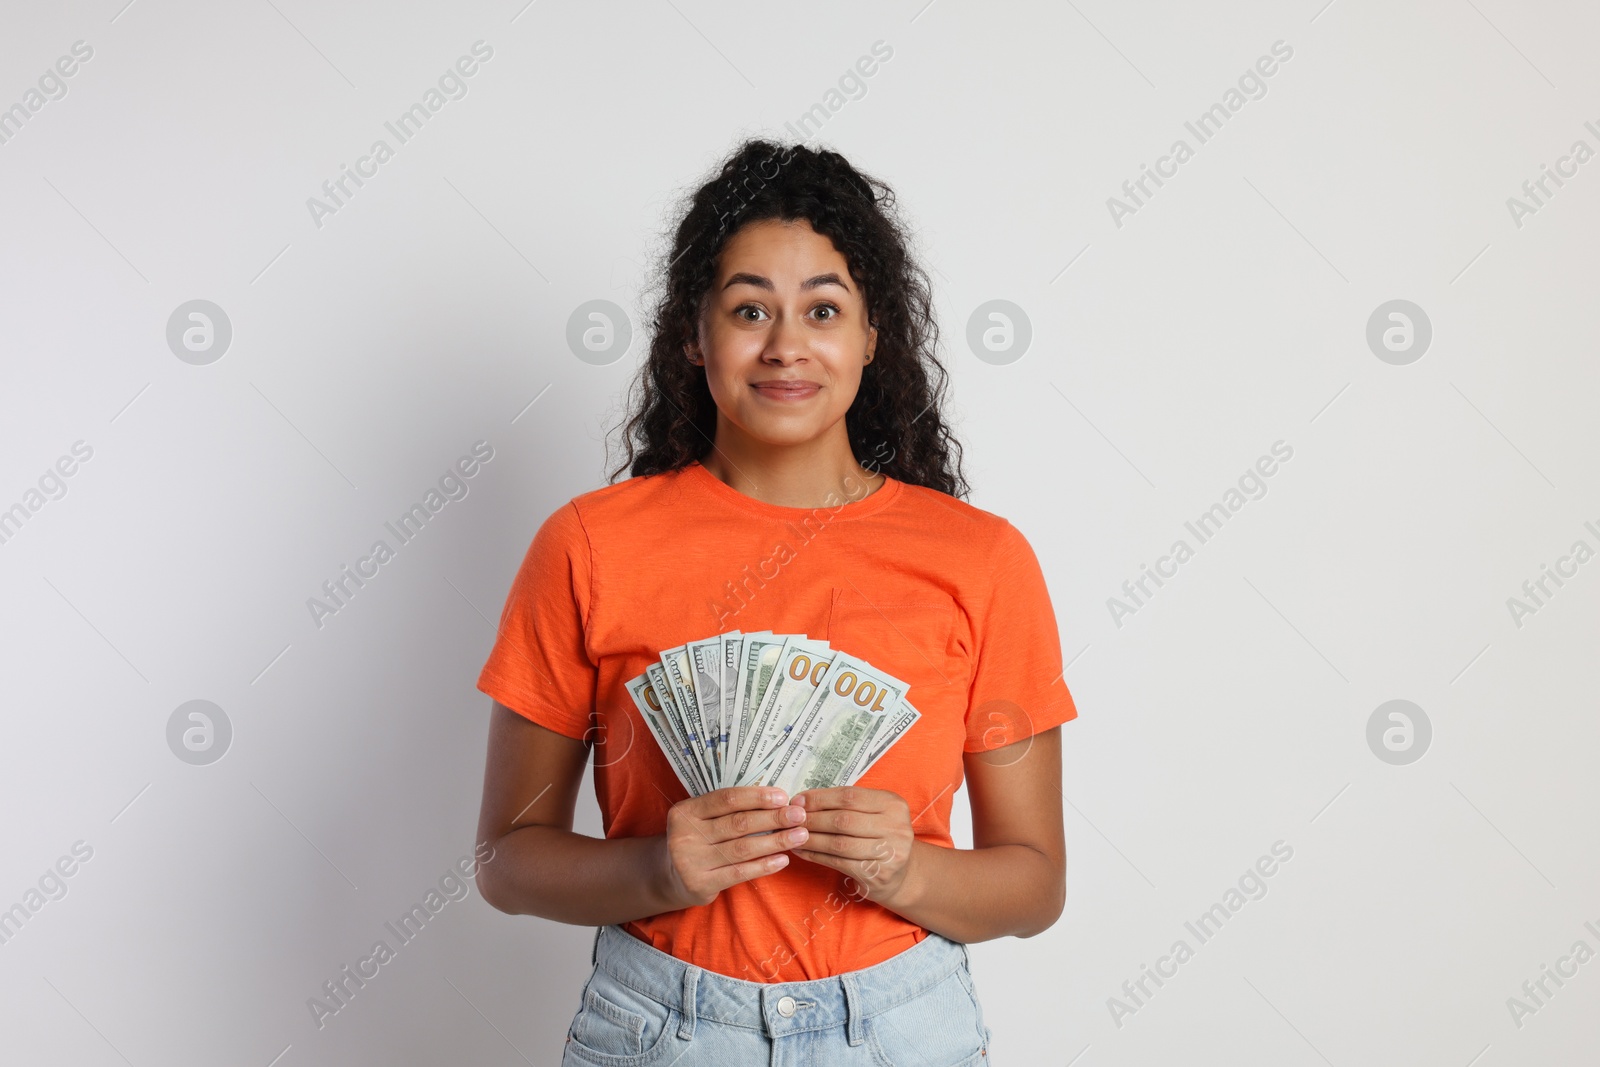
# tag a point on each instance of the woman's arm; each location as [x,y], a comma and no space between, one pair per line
[1012,882]
[541,867]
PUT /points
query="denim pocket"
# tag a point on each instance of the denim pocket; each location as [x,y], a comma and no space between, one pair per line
[941,1027]
[965,975]
[619,1026]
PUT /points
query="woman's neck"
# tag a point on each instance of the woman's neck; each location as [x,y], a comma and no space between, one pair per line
[812,475]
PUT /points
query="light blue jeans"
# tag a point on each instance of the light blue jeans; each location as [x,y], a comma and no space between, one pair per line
[644,1008]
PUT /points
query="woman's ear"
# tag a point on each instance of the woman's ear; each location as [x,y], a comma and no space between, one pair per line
[872,342]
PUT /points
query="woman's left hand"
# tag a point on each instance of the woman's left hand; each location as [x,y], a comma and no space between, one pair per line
[863,833]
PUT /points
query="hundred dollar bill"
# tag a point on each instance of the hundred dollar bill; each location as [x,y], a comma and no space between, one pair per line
[656,719]
[732,644]
[680,683]
[705,670]
[656,675]
[903,719]
[758,659]
[837,725]
[802,665]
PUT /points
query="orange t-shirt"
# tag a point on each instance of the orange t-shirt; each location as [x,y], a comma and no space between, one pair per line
[940,594]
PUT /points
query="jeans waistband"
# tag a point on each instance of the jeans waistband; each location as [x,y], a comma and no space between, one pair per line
[777,1008]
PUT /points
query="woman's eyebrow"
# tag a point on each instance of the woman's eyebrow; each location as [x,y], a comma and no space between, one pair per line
[746,278]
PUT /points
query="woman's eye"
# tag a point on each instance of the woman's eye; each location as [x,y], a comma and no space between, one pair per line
[754,312]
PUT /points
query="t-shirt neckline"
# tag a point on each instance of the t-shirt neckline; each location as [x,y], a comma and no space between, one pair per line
[846,509]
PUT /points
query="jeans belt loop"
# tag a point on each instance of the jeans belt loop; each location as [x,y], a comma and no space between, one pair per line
[691,983]
[594,950]
[855,1025]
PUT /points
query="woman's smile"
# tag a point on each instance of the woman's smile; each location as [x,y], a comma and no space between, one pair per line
[786,390]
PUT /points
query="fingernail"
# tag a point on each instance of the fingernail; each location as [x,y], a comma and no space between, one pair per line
[794,814]
[777,796]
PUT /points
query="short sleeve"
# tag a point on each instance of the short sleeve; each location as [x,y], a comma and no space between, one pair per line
[539,666]
[1017,685]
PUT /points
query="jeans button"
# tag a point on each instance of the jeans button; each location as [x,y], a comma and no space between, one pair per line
[786,1006]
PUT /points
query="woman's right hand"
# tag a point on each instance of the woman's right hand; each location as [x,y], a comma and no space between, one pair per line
[716,840]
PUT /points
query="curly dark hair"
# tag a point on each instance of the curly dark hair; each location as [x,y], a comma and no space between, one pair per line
[895,424]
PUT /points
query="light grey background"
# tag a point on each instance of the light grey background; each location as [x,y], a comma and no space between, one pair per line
[1168,353]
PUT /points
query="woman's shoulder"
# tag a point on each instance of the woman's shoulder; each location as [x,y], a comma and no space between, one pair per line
[624,502]
[966,522]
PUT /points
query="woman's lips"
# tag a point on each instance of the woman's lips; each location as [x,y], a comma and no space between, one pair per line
[787,390]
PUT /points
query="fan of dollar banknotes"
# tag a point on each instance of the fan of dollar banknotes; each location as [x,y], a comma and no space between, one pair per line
[770,709]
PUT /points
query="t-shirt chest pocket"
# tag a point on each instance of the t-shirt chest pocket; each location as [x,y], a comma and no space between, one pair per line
[906,635]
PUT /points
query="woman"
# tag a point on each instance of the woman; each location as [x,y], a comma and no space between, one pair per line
[791,472]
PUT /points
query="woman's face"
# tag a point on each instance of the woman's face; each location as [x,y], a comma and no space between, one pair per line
[784,334]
